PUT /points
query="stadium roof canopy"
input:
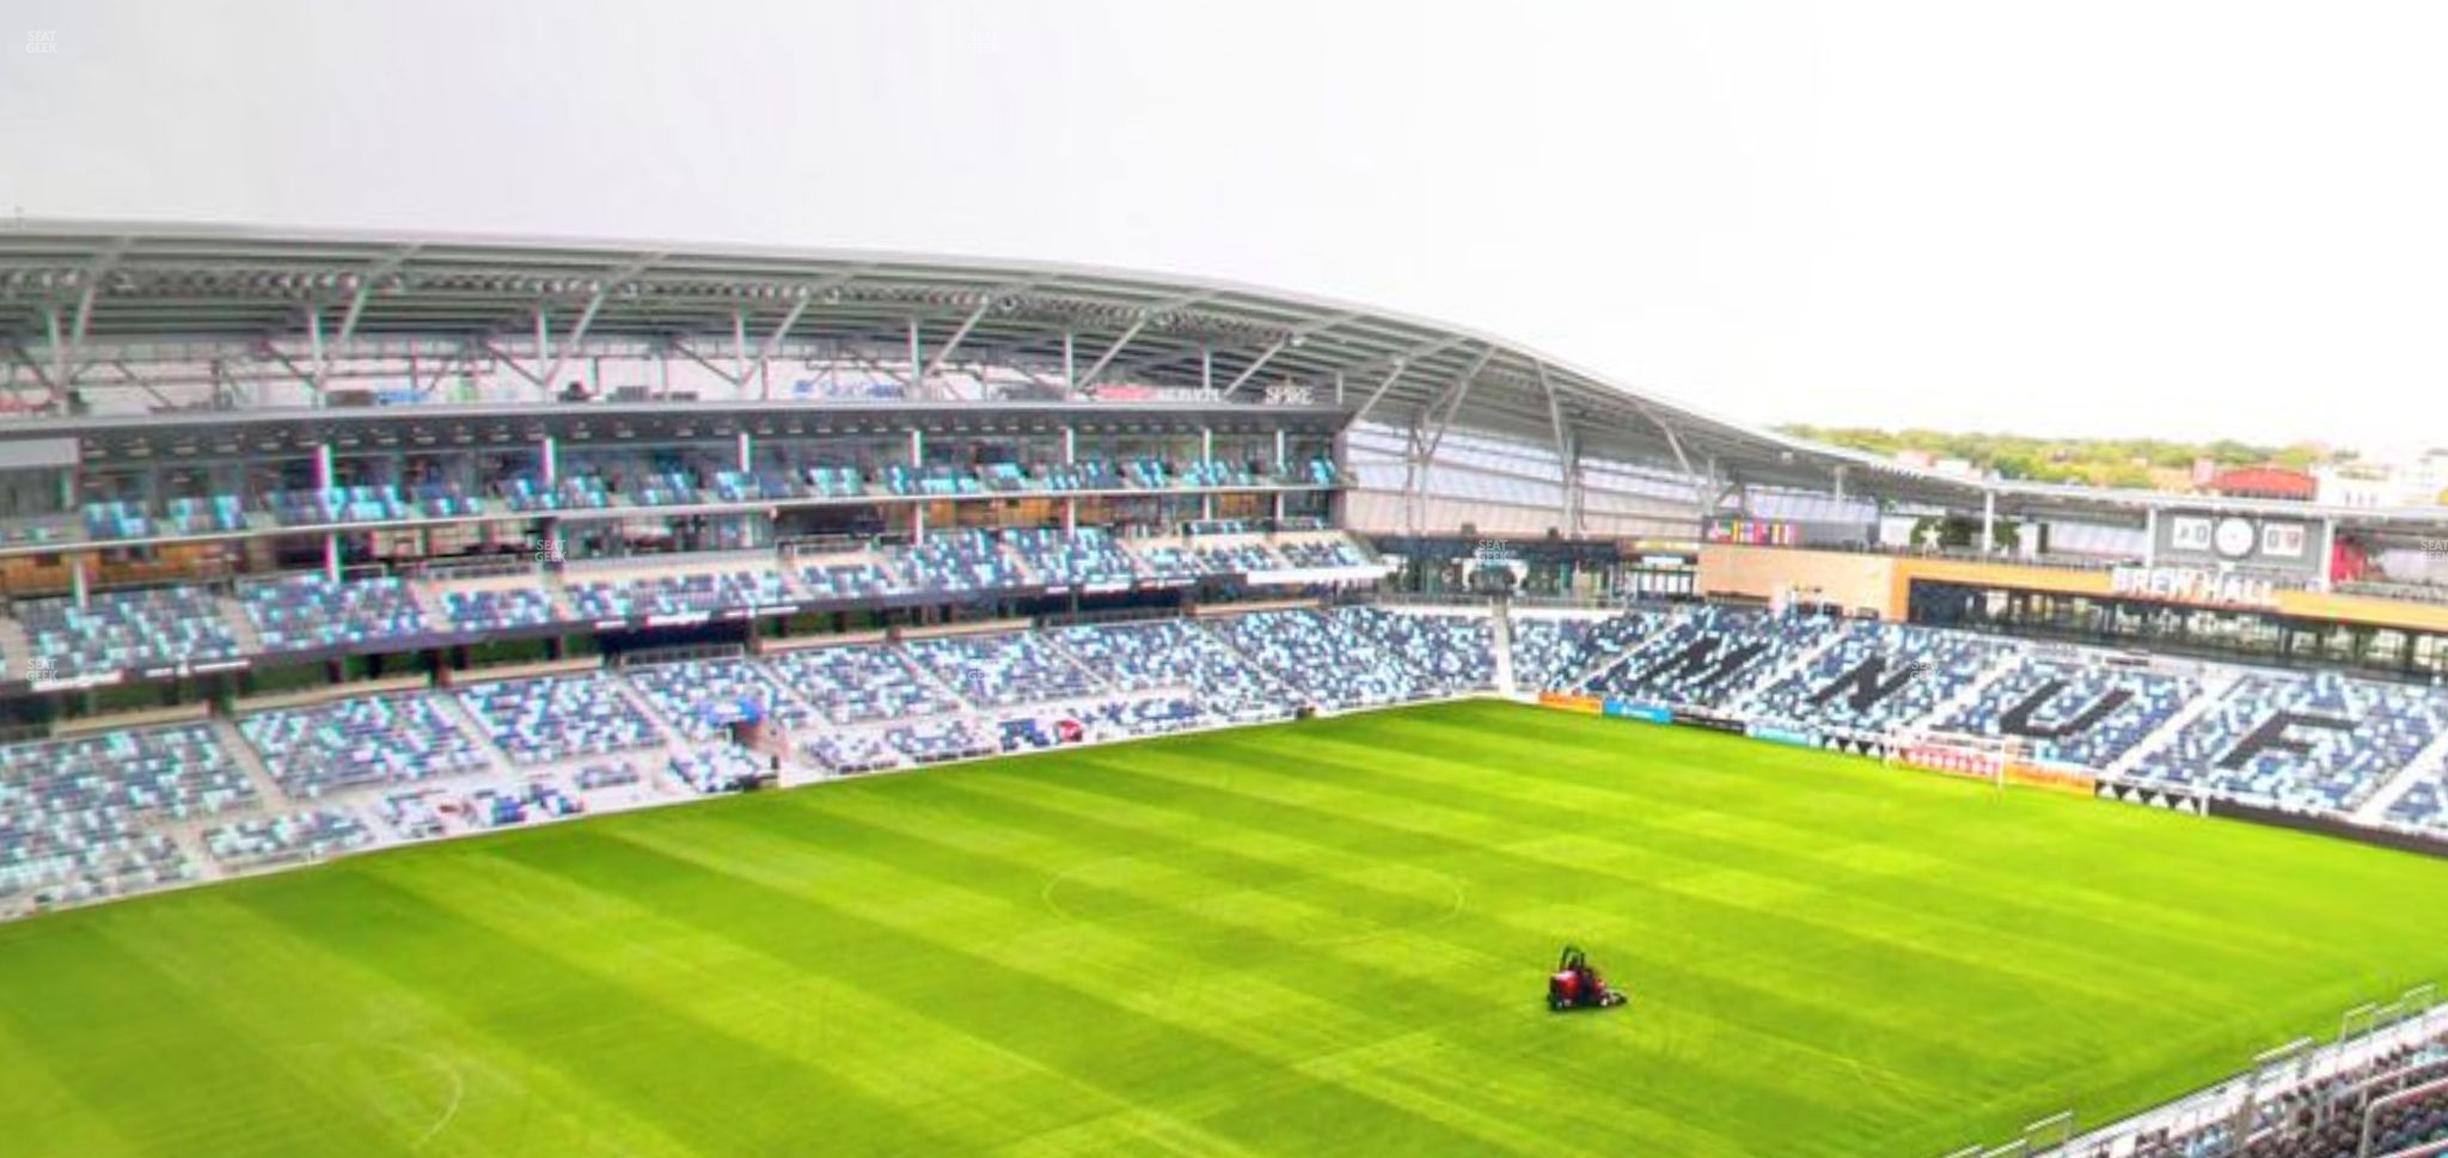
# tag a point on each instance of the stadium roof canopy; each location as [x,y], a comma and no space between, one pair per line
[75,296]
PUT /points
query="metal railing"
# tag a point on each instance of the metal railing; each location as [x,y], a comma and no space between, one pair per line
[2222,1118]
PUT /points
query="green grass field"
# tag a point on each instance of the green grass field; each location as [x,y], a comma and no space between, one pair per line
[1329,935]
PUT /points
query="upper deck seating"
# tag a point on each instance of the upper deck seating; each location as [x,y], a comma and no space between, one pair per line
[1084,475]
[496,608]
[960,562]
[1088,557]
[127,629]
[677,594]
[310,611]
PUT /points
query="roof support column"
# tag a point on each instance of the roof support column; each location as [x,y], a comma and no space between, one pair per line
[747,452]
[1070,365]
[59,357]
[739,347]
[2150,536]
[577,334]
[324,476]
[1414,485]
[548,460]
[543,329]
[2328,554]
[1576,491]
[967,324]
[314,345]
[1264,357]
[1103,360]
[1070,444]
[1568,462]
[918,526]
[1207,370]
[773,343]
[1435,439]
[75,363]
[1988,522]
[1338,388]
[917,360]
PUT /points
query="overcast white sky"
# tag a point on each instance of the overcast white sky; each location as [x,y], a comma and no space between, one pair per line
[2186,219]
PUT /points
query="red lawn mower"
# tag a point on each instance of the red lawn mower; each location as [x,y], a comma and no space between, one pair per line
[1575,984]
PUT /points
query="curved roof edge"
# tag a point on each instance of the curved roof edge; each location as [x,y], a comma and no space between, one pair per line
[133,281]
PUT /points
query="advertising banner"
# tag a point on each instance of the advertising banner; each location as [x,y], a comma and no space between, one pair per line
[2067,778]
[1633,710]
[1713,721]
[1589,704]
[1798,739]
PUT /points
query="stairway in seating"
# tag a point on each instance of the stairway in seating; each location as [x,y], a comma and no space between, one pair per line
[447,701]
[2008,659]
[427,595]
[929,678]
[2216,683]
[1500,637]
[188,835]
[250,762]
[16,647]
[2431,759]
[1740,701]
[1277,678]
[241,628]
[1096,679]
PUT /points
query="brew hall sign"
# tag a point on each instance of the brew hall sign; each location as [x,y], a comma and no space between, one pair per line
[2193,585]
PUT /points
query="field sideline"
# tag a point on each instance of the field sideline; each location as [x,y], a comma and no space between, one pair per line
[1325,935]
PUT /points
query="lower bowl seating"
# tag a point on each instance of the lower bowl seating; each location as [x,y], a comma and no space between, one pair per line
[76,815]
[701,697]
[538,721]
[287,838]
[1001,670]
[357,743]
[862,684]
